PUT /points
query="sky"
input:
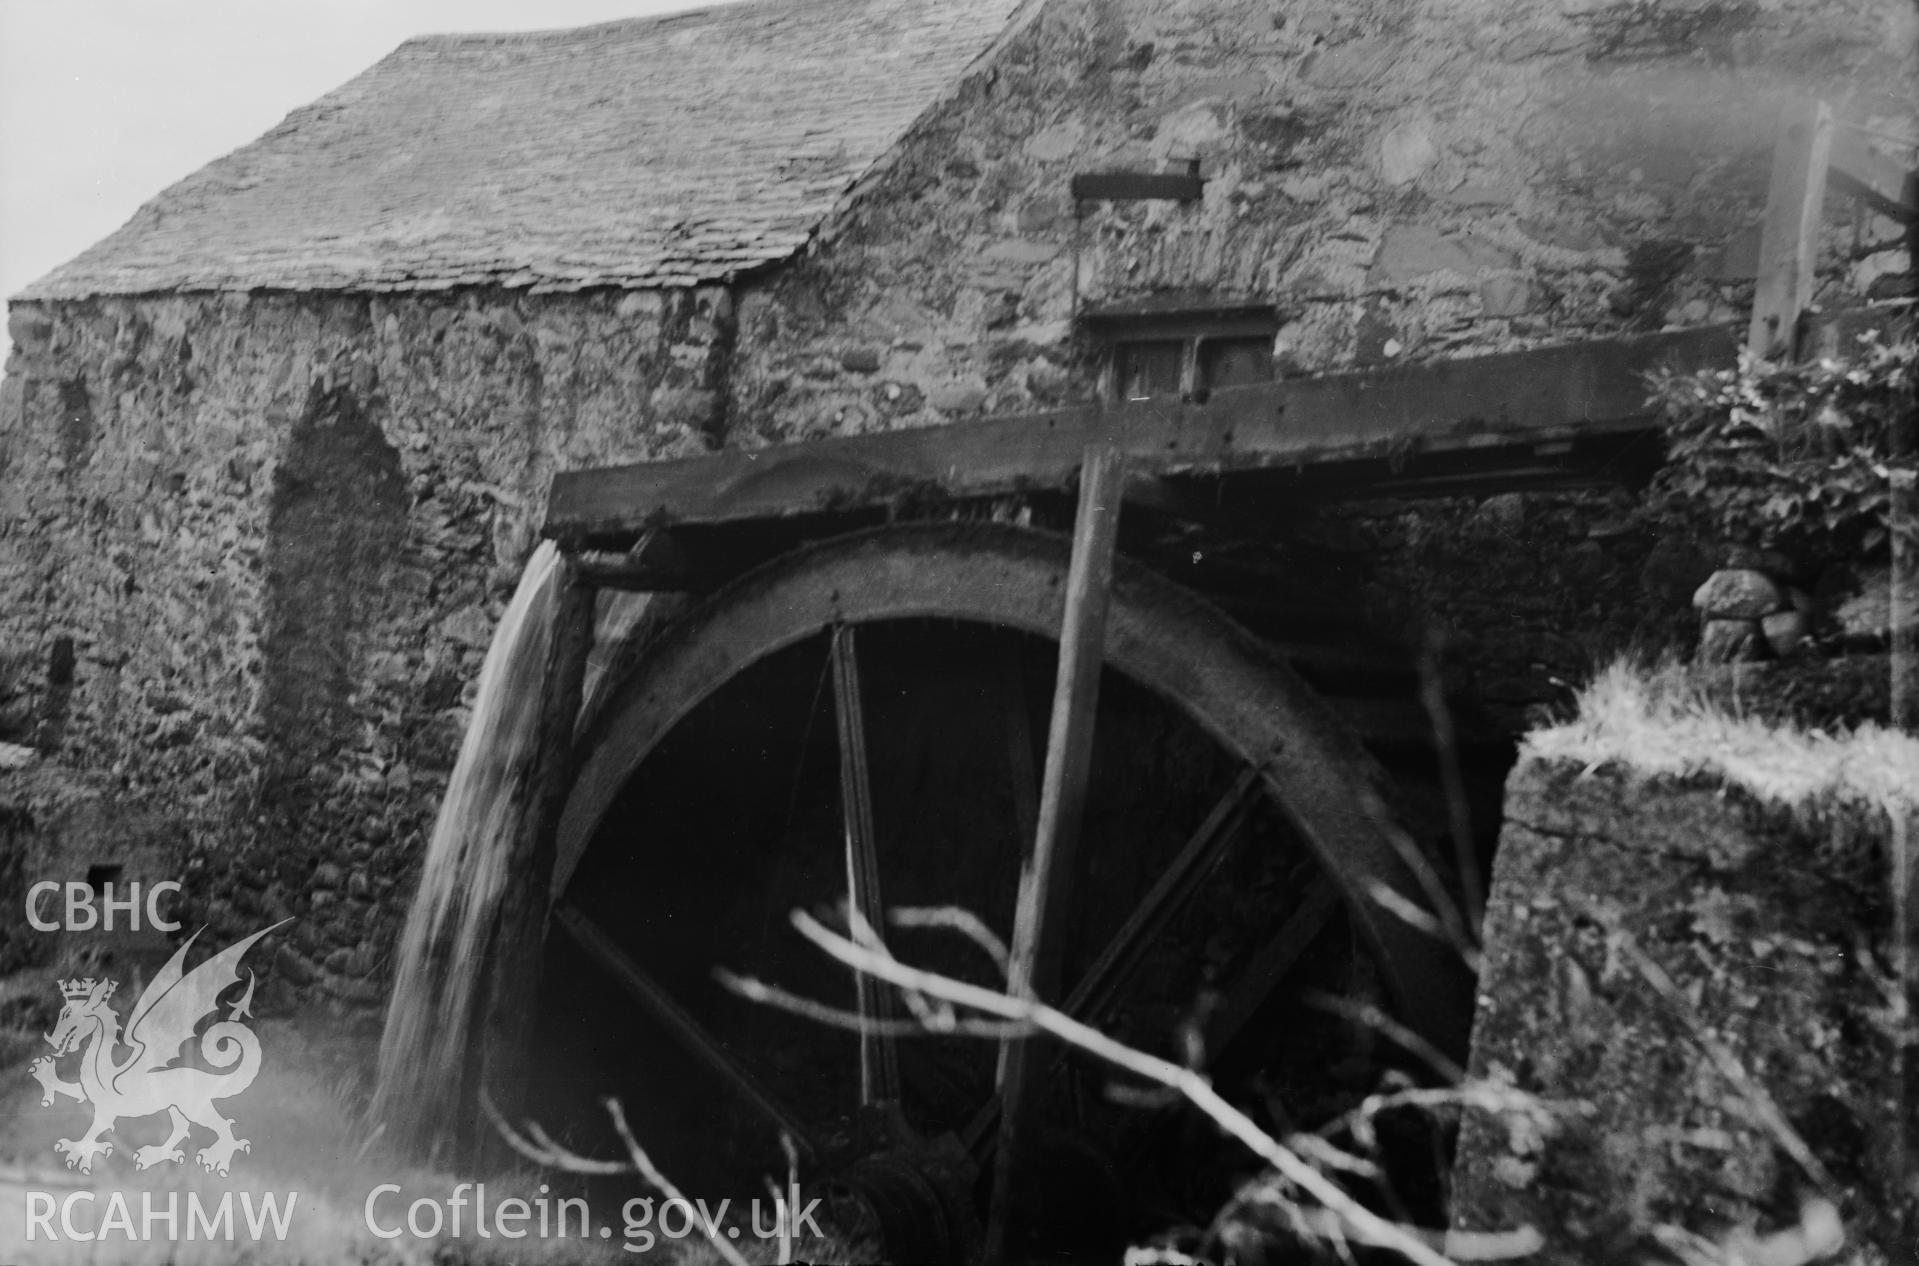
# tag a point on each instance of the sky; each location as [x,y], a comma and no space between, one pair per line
[103,103]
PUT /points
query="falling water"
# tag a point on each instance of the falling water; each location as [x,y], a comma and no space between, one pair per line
[437,991]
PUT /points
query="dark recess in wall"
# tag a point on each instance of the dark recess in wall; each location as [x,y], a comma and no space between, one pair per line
[335,526]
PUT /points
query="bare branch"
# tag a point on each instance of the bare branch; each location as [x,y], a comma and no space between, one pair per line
[543,1151]
[1354,1219]
[1369,1016]
[1413,916]
[646,1168]
[1486,1096]
[955,919]
[938,1023]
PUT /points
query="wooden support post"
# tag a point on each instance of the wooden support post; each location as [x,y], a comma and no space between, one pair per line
[514,957]
[1789,242]
[1037,923]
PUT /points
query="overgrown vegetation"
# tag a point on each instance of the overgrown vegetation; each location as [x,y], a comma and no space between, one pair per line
[1655,721]
[1802,458]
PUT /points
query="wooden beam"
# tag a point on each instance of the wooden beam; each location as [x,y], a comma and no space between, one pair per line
[1789,242]
[1565,392]
[1045,875]
[879,1060]
[1880,182]
[676,1020]
[656,564]
[515,955]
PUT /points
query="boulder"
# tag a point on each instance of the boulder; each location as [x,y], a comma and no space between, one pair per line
[1785,631]
[1738,593]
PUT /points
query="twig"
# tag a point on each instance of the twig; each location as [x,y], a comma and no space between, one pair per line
[1324,1153]
[1353,1218]
[956,919]
[1765,1112]
[1460,1246]
[545,1152]
[1904,981]
[1485,1096]
[936,1024]
[1819,1234]
[1425,921]
[792,1150]
[939,1018]
[1446,916]
[648,1170]
[1432,695]
[1370,1016]
[542,1150]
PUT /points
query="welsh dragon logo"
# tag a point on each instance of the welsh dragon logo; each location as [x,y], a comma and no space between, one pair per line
[149,1079]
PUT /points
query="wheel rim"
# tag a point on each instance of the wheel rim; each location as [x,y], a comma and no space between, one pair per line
[1228,685]
[1233,687]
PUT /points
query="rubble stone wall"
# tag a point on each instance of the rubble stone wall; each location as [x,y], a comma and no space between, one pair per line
[253,548]
[1401,181]
[1632,925]
[1521,596]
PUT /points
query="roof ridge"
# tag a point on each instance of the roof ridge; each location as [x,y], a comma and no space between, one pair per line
[585,34]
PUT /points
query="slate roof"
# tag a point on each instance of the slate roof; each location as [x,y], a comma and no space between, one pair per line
[663,151]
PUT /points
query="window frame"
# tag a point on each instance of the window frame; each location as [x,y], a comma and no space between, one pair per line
[1193,330]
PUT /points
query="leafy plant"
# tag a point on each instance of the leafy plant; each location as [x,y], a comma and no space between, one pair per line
[1794,457]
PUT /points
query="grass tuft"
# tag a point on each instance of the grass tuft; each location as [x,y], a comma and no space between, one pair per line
[1651,720]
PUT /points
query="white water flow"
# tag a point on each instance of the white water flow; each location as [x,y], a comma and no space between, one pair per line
[442,973]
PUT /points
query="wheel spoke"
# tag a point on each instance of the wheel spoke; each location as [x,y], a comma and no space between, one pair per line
[1019,743]
[1270,963]
[1103,981]
[689,1032]
[879,1058]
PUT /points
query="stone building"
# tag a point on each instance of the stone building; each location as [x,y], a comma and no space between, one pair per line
[272,454]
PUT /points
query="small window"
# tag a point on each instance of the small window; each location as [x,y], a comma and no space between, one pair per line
[1144,370]
[1174,346]
[1234,362]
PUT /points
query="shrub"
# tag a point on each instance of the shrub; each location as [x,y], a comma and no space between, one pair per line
[1793,457]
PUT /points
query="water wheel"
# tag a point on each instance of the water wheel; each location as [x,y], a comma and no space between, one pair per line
[900,677]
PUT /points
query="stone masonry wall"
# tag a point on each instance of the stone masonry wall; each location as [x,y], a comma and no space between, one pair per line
[1770,931]
[1522,596]
[1401,180]
[253,547]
